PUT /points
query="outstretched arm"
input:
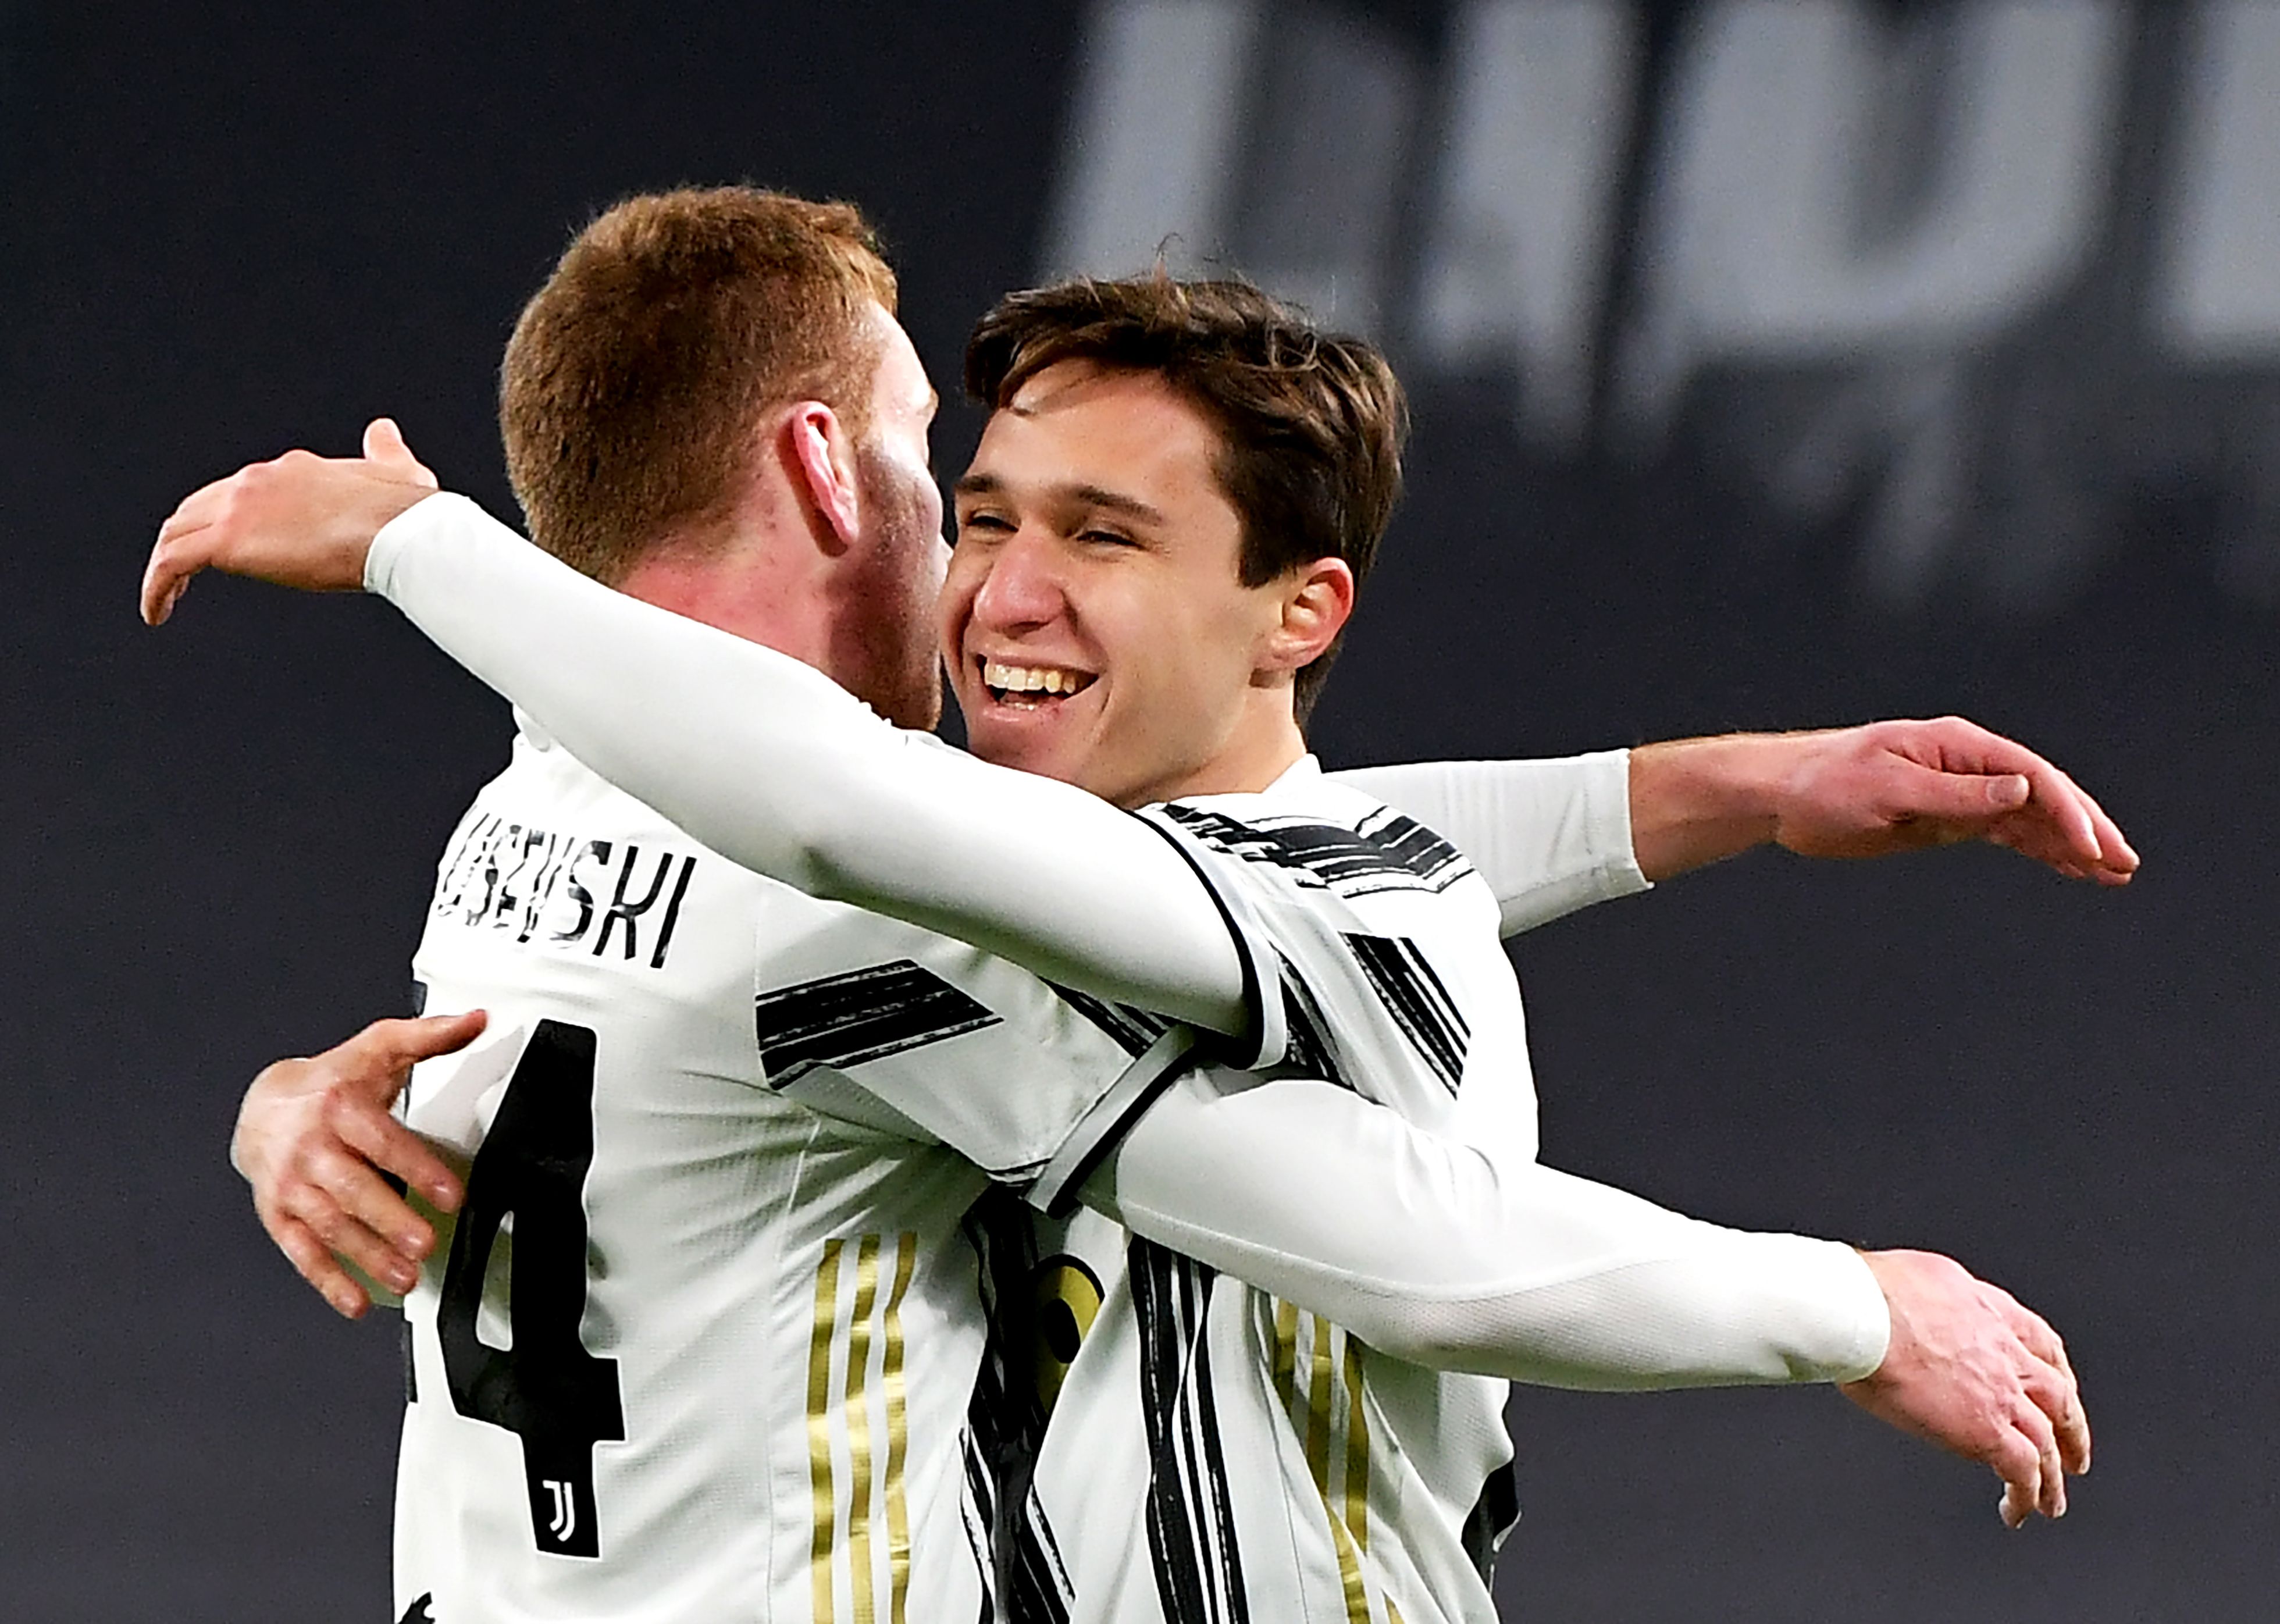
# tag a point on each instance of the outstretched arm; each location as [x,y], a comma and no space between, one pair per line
[1551,836]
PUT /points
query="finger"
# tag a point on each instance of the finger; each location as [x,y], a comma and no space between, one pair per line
[2065,808]
[2073,1435]
[404,1043]
[2015,1506]
[2037,1426]
[371,1201]
[372,1065]
[197,510]
[2030,1424]
[347,1237]
[2044,838]
[2019,1464]
[159,591]
[2059,1397]
[387,1144]
[2121,857]
[319,1267]
[1958,746]
[167,577]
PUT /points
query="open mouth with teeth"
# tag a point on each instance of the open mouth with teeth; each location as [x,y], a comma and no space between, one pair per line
[1032,687]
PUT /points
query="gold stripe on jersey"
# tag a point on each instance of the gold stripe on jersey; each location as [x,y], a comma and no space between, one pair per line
[898,1516]
[1357,1449]
[1346,1506]
[1286,1345]
[819,1429]
[849,1402]
[858,1428]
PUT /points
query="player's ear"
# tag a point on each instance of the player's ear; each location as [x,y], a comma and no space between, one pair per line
[825,455]
[1317,599]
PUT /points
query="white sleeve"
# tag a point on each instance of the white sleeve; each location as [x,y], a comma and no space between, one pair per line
[776,767]
[1549,836]
[1449,1256]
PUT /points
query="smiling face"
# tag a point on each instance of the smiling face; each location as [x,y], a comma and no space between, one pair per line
[1093,621]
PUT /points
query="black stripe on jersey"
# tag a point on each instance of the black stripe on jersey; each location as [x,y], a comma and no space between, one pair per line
[1307,1050]
[1418,1001]
[1388,851]
[1191,1512]
[1493,1517]
[1258,1041]
[843,1020]
[1054,1190]
[1024,1578]
[1135,1030]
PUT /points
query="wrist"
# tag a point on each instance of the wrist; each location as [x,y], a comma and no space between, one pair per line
[1696,801]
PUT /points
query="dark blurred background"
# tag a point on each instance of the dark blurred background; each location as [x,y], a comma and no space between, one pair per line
[1776,363]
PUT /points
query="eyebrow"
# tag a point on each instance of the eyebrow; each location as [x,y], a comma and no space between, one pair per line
[1089,496]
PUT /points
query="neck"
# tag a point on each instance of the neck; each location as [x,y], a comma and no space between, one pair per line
[756,572]
[742,585]
[1263,746]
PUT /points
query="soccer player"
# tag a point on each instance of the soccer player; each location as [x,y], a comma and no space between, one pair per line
[1191,986]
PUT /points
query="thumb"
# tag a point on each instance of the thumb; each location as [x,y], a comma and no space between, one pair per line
[2006,791]
[1960,797]
[383,443]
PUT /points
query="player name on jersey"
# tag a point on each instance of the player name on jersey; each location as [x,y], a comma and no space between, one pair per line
[563,890]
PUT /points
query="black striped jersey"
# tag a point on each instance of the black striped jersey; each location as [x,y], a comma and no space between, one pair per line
[1214,1455]
[705,1339]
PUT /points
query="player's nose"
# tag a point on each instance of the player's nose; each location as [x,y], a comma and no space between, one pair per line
[1023,585]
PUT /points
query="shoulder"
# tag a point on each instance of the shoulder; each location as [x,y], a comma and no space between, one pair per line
[1317,834]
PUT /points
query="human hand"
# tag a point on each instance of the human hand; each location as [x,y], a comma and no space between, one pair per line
[1971,1370]
[1897,786]
[314,1137]
[1866,791]
[300,521]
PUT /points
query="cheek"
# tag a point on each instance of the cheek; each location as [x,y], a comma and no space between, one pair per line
[1223,630]
[1170,648]
[955,606]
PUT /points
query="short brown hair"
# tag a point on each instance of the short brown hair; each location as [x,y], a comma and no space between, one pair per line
[630,387]
[1312,423]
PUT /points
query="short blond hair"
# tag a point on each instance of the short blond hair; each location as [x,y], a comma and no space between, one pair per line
[635,375]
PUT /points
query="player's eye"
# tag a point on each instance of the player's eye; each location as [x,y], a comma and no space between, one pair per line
[1106,538]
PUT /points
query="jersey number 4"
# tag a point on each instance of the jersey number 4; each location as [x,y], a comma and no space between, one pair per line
[546,1388]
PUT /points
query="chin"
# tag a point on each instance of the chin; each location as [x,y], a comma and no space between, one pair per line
[1025,752]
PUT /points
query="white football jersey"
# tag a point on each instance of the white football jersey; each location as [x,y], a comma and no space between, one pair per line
[1215,1455]
[703,1341]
